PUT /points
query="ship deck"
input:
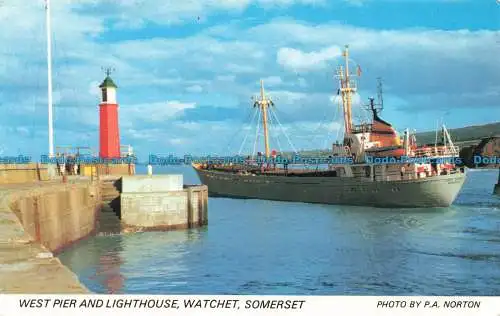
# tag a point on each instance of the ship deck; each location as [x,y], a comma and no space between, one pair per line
[291,172]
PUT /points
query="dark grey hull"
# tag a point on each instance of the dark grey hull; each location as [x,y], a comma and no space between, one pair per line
[438,191]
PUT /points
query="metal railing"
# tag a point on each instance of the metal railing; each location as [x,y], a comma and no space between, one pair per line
[74,150]
[126,151]
[362,128]
[438,151]
[69,151]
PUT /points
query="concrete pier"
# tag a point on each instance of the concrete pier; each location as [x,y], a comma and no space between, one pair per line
[37,220]
[162,202]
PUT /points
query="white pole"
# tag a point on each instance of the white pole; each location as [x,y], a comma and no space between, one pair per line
[49,77]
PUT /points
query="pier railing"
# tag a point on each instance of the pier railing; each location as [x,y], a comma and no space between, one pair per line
[126,151]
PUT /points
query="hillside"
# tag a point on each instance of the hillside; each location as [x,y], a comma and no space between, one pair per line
[462,134]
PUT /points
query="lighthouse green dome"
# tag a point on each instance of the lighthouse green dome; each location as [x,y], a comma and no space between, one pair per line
[108,83]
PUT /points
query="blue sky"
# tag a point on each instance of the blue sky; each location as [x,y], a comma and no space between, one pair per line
[187,70]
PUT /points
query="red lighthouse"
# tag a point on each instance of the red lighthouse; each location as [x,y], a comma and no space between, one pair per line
[109,135]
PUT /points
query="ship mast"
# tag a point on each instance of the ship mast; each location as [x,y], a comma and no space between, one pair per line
[380,93]
[263,103]
[347,88]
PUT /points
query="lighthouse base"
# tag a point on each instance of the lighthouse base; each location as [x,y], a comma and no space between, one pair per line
[107,169]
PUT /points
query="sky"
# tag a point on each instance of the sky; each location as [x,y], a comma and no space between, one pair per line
[186,70]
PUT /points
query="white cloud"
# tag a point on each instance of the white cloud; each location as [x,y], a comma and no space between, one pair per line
[315,128]
[145,134]
[225,77]
[94,89]
[302,82]
[192,126]
[287,97]
[23,130]
[156,112]
[296,60]
[241,68]
[272,81]
[194,88]
[176,141]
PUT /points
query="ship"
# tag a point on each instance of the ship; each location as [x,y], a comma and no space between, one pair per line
[373,166]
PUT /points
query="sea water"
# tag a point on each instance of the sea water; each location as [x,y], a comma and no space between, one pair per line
[266,247]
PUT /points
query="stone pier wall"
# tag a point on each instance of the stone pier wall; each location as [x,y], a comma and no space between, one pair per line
[22,173]
[162,203]
[36,220]
[60,217]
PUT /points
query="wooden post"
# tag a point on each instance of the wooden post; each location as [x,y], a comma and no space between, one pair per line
[189,207]
[497,186]
[38,175]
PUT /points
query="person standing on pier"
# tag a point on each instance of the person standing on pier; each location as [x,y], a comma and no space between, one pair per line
[61,169]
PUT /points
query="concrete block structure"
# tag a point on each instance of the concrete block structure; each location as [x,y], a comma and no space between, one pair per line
[162,202]
[149,184]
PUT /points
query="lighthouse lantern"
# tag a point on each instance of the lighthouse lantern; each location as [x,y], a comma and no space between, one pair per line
[108,89]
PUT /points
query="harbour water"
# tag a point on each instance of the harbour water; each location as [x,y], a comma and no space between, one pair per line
[265,247]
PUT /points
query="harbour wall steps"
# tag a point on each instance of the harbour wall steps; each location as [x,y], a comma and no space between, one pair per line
[109,218]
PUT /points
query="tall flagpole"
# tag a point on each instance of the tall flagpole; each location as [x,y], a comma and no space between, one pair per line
[49,77]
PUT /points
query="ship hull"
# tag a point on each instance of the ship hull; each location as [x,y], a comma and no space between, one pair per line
[438,191]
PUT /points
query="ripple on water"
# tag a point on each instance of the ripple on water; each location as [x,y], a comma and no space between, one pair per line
[492,257]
